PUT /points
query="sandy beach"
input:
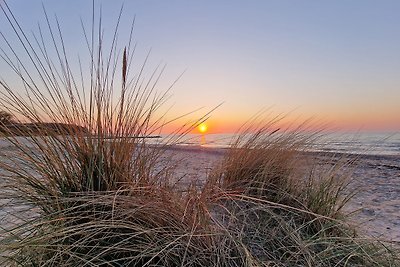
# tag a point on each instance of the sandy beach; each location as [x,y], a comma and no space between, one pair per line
[375,207]
[377,203]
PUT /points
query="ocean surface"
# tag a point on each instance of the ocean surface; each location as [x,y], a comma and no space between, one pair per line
[380,144]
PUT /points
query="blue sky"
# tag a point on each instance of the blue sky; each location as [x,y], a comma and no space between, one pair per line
[335,60]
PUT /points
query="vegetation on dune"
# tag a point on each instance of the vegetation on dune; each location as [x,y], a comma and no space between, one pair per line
[108,200]
[286,205]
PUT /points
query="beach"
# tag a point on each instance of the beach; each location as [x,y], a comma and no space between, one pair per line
[377,204]
[375,208]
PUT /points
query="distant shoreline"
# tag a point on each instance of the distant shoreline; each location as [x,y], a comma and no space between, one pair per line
[222,150]
[40,128]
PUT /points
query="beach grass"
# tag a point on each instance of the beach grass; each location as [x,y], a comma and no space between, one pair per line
[101,195]
[286,204]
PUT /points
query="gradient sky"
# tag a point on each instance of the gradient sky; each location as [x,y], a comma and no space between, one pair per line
[338,61]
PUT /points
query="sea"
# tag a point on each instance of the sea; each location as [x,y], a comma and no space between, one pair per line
[367,143]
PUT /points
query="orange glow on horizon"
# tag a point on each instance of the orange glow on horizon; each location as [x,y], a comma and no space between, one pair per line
[331,122]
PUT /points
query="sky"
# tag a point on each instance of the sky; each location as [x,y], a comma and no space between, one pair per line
[335,61]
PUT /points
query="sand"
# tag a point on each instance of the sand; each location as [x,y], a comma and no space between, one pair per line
[375,209]
[377,179]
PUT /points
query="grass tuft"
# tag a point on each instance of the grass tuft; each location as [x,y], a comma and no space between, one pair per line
[286,204]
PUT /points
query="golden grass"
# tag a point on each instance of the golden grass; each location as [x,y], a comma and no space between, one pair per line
[105,198]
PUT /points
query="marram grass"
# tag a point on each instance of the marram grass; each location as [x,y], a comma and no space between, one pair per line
[100,195]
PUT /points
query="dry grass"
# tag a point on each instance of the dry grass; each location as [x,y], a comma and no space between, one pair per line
[141,227]
[286,205]
[105,198]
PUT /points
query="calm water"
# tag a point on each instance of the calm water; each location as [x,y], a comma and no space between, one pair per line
[359,143]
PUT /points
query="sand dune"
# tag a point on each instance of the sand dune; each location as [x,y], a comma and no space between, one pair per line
[375,207]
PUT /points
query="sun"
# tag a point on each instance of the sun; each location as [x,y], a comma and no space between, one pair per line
[202,128]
